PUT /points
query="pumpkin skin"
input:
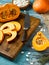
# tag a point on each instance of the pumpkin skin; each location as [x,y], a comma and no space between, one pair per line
[42,42]
[41,6]
[9,12]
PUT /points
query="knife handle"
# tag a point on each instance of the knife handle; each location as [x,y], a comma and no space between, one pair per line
[24,36]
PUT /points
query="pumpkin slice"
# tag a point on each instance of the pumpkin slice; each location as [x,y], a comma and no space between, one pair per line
[17,25]
[40,42]
[12,34]
[1,36]
[7,25]
[6,32]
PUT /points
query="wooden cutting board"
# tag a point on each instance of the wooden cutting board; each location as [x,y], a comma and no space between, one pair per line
[12,49]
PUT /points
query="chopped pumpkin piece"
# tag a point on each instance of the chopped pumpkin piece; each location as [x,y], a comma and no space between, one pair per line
[40,42]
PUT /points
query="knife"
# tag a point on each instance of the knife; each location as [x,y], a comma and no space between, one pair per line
[26,25]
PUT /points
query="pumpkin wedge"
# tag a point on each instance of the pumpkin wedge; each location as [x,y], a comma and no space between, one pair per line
[40,42]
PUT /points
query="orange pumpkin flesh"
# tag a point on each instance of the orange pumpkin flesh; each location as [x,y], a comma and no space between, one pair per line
[40,42]
[9,12]
[11,29]
[16,24]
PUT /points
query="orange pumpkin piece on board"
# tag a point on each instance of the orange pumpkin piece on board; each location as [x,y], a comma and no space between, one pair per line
[9,12]
[40,42]
[16,24]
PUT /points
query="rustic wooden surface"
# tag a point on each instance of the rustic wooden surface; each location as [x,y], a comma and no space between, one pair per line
[10,50]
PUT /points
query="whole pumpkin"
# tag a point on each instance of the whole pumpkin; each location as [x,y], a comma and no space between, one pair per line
[41,6]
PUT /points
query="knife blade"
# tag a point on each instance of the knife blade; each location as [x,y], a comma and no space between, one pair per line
[26,26]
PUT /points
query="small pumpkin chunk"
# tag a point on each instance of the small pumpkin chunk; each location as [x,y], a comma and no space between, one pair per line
[40,42]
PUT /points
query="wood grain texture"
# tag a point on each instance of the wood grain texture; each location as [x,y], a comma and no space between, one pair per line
[10,50]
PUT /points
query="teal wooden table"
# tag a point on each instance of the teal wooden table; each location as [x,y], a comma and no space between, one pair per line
[27,56]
